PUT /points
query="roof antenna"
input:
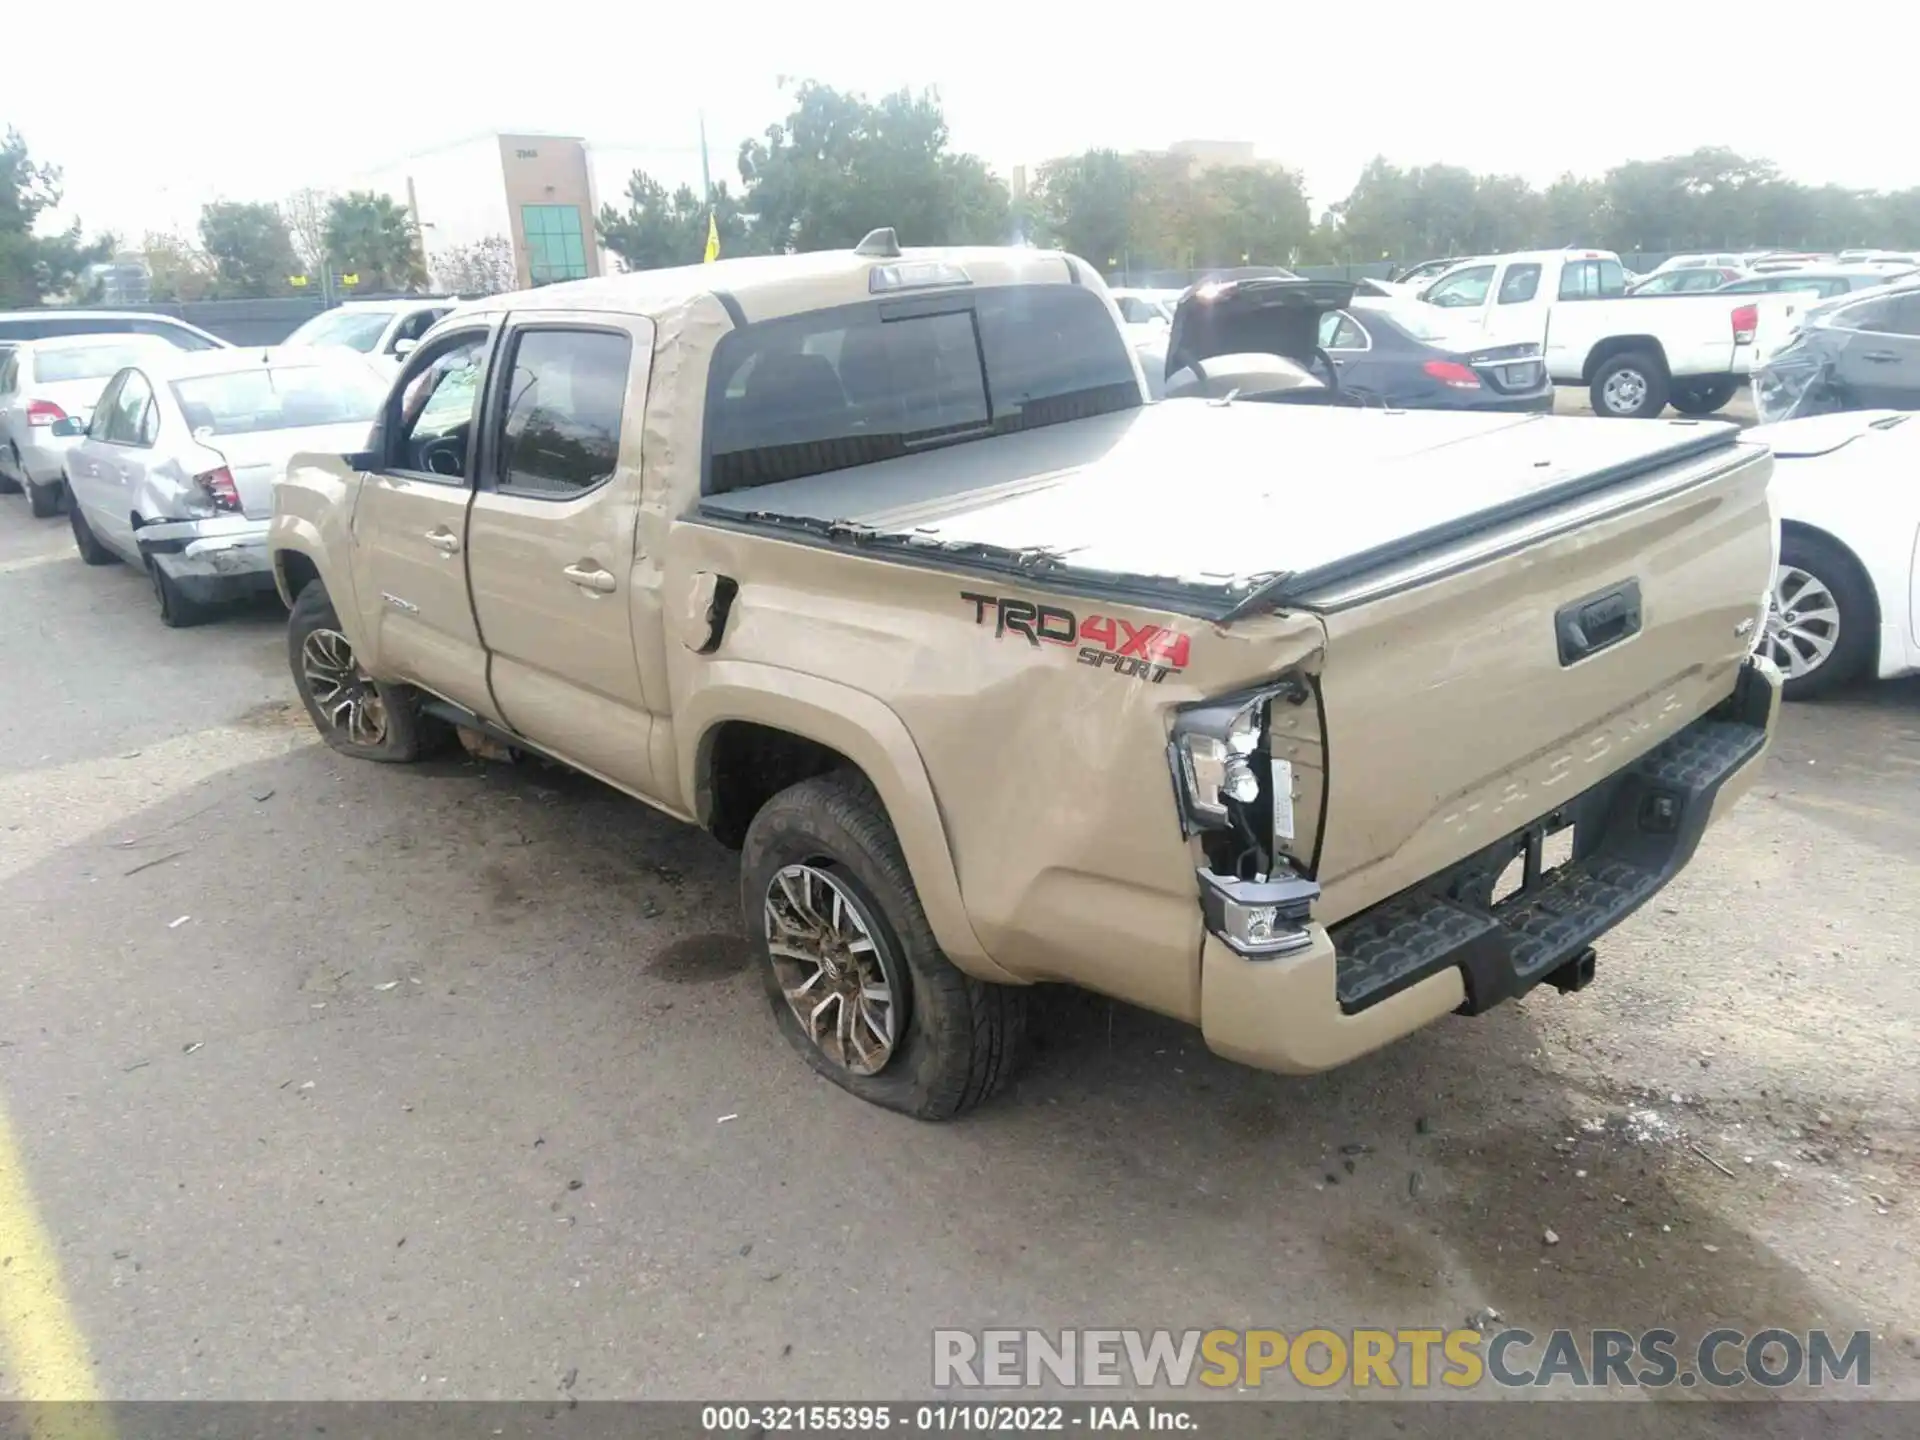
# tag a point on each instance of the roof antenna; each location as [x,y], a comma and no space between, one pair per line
[882,242]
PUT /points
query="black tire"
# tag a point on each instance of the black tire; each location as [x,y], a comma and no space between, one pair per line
[177,612]
[9,485]
[1652,388]
[962,1038]
[85,541]
[406,734]
[1833,566]
[1702,397]
[43,500]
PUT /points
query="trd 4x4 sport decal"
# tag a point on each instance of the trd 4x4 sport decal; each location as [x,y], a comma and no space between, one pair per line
[1146,652]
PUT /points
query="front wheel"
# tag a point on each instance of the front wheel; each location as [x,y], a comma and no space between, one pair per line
[1702,397]
[354,713]
[1820,617]
[42,500]
[1631,386]
[856,979]
[92,552]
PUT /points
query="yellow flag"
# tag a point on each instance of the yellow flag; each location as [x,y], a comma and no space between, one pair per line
[713,239]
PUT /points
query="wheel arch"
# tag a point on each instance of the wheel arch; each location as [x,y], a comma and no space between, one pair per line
[826,721]
[1615,345]
[1848,554]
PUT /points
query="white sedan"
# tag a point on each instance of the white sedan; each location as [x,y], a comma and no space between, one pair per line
[1846,595]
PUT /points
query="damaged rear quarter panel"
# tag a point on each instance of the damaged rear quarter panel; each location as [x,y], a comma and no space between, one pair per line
[1048,772]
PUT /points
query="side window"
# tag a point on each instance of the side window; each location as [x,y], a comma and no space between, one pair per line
[105,406]
[1874,316]
[433,430]
[128,422]
[1338,331]
[177,336]
[1905,319]
[9,372]
[415,325]
[1588,280]
[1463,289]
[565,392]
[1522,283]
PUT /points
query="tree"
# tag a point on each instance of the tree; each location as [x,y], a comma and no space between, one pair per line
[371,236]
[176,268]
[35,267]
[839,166]
[249,247]
[657,229]
[1084,204]
[485,267]
[306,211]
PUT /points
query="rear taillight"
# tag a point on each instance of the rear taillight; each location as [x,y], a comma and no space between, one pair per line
[1746,319]
[1453,374]
[44,412]
[219,488]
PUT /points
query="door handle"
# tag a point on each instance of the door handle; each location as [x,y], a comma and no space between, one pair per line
[1883,357]
[444,540]
[595,579]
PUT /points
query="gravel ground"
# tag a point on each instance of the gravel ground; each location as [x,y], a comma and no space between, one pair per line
[338,1080]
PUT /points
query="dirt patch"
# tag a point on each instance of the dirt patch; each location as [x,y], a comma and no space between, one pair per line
[273,715]
[702,959]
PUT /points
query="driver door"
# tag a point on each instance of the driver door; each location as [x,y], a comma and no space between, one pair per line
[410,523]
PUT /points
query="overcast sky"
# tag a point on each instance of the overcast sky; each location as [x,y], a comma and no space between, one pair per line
[158,107]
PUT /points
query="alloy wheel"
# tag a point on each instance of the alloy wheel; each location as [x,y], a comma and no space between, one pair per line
[343,692]
[834,968]
[1803,622]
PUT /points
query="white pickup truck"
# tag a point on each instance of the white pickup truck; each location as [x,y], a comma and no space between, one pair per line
[1637,354]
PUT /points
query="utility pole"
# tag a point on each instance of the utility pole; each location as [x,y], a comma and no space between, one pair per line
[706,177]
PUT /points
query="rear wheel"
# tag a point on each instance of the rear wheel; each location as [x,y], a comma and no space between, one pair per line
[42,500]
[1820,630]
[85,541]
[1629,386]
[354,713]
[12,467]
[176,610]
[1702,397]
[856,979]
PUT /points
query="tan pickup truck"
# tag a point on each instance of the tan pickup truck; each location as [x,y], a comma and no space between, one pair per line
[1306,725]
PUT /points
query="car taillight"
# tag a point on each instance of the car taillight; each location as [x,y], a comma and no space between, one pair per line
[44,412]
[220,489]
[1453,374]
[1746,319]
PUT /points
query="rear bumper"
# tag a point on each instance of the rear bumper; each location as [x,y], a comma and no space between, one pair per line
[1444,945]
[214,559]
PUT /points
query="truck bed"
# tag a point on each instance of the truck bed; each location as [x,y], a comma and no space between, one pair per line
[1202,506]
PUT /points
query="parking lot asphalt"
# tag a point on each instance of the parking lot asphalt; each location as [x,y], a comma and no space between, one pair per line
[334,1080]
[1569,400]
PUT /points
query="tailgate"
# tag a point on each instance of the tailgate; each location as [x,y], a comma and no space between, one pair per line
[1470,691]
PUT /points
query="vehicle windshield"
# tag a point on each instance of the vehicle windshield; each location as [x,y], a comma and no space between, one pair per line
[87,362]
[356,329]
[1422,322]
[831,389]
[281,397]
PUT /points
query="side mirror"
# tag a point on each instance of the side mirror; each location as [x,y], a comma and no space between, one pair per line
[405,347]
[68,428]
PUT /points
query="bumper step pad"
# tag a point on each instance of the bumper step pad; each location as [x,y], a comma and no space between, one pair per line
[1633,832]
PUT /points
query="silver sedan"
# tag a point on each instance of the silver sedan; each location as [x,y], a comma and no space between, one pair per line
[176,471]
[43,382]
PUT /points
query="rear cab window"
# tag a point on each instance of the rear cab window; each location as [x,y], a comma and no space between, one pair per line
[1592,280]
[831,389]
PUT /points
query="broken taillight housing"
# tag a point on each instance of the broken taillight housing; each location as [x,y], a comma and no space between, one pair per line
[217,485]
